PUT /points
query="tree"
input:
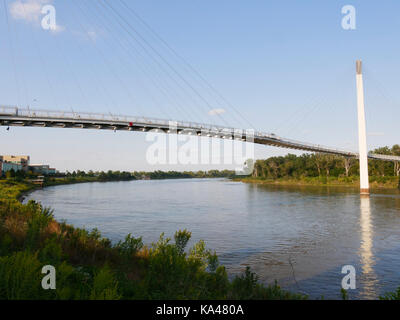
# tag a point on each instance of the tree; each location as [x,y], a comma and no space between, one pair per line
[10,174]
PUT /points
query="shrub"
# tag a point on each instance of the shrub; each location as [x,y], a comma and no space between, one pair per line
[246,287]
[20,277]
[37,222]
[391,295]
[51,252]
[105,287]
[130,246]
[181,240]
[243,287]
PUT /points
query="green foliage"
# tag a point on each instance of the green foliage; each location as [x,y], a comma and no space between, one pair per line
[173,274]
[20,277]
[10,189]
[6,243]
[243,287]
[52,252]
[391,295]
[325,169]
[70,285]
[181,240]
[345,295]
[105,287]
[246,287]
[185,174]
[90,176]
[38,221]
[130,246]
[199,254]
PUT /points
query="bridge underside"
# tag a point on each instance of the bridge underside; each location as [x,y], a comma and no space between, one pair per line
[50,119]
[146,127]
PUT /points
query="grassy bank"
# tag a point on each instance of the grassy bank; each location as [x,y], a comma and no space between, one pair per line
[10,190]
[89,266]
[353,181]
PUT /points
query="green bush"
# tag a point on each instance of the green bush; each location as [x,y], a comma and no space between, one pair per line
[20,277]
[130,246]
[105,287]
[181,240]
[246,287]
[391,295]
[51,252]
[38,221]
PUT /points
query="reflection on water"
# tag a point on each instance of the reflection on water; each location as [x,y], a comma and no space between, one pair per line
[299,236]
[366,253]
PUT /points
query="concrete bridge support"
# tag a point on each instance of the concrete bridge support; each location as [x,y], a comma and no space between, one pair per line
[362,134]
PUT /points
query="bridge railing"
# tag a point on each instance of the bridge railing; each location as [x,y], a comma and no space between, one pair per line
[8,110]
[88,116]
[162,123]
[301,144]
[384,157]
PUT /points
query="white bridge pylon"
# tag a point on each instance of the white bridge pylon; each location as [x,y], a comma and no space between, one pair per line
[14,116]
[362,131]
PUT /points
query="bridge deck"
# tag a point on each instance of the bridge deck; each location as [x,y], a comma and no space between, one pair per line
[13,116]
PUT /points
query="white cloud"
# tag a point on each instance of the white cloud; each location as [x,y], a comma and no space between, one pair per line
[30,11]
[88,35]
[58,29]
[92,35]
[215,112]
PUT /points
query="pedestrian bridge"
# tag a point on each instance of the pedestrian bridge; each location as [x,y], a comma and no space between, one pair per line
[14,116]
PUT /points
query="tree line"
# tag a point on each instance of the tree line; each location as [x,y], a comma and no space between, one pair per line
[320,165]
[138,175]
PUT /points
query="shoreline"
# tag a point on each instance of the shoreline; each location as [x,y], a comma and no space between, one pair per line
[33,188]
[317,183]
[277,182]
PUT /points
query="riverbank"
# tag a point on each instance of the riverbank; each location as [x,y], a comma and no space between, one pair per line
[89,266]
[20,190]
[389,183]
[25,186]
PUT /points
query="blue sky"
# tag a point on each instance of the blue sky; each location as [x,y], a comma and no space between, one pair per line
[288,66]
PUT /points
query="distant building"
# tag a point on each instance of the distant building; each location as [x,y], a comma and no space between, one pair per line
[22,161]
[16,164]
[8,166]
[42,169]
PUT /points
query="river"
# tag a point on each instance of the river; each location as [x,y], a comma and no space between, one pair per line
[299,236]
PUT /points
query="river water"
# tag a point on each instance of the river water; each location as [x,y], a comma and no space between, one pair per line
[299,236]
